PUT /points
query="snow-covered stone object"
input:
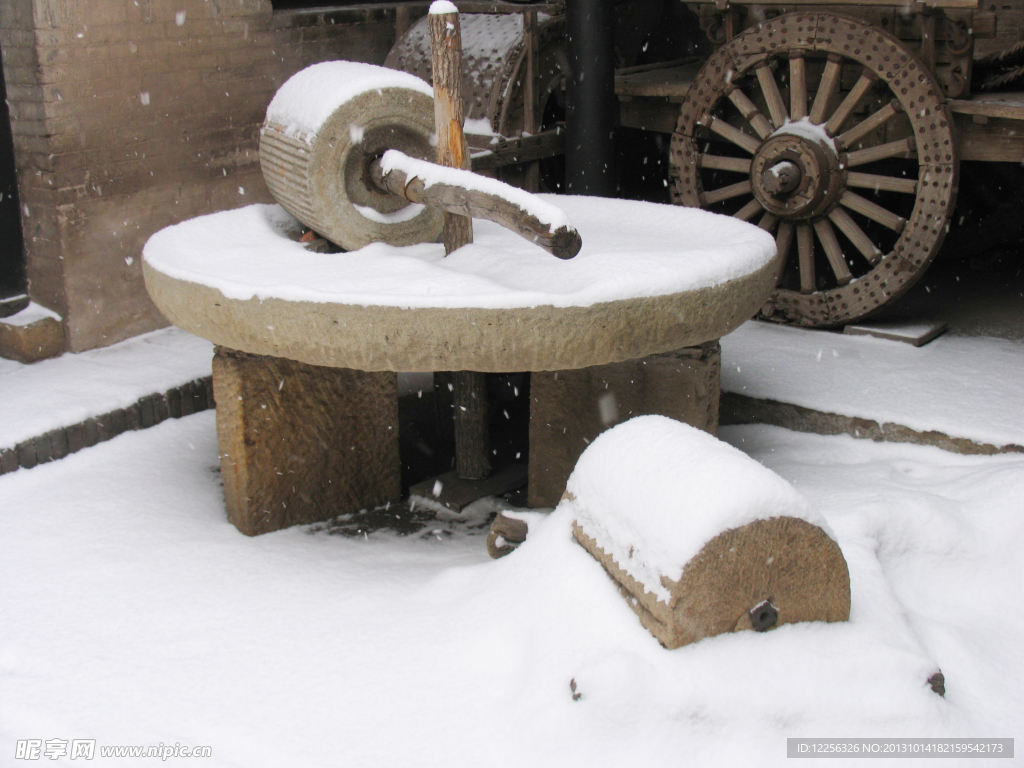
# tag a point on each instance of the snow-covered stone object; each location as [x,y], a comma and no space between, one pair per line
[701,538]
[323,127]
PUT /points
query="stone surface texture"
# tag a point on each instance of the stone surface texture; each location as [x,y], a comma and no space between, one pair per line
[788,561]
[132,116]
[28,343]
[541,338]
[569,408]
[302,443]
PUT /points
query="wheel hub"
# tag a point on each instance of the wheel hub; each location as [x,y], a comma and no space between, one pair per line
[795,177]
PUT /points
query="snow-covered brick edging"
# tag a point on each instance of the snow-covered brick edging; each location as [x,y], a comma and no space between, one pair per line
[963,387]
[66,390]
[309,97]
[651,492]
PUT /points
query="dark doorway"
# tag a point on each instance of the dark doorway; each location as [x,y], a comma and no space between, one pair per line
[12,244]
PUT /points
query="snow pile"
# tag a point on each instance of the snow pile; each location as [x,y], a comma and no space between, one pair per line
[665,249]
[431,173]
[440,7]
[961,386]
[33,313]
[653,491]
[312,95]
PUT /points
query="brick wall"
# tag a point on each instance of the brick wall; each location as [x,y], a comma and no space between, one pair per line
[130,115]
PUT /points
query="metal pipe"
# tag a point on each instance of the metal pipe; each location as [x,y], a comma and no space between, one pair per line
[590,98]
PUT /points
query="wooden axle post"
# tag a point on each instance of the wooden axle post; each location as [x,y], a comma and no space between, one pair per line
[449,113]
[472,444]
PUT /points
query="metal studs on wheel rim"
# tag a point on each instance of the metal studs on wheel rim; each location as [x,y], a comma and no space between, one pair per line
[828,133]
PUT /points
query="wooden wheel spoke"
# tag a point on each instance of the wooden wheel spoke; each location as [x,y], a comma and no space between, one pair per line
[873,211]
[735,135]
[748,211]
[866,126]
[725,193]
[856,235]
[899,148]
[718,163]
[827,87]
[770,89]
[881,183]
[797,85]
[783,242]
[852,98]
[768,221]
[750,113]
[833,252]
[805,253]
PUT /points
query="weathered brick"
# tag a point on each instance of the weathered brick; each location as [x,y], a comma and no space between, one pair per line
[27,454]
[147,417]
[76,437]
[208,386]
[188,405]
[8,460]
[133,417]
[199,402]
[92,431]
[174,403]
[58,443]
[161,410]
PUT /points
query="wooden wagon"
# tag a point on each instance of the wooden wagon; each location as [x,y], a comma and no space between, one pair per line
[838,128]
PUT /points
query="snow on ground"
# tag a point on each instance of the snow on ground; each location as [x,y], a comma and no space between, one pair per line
[69,389]
[966,387]
[135,614]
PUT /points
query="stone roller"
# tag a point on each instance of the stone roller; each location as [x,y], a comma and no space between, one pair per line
[333,178]
[699,537]
[758,576]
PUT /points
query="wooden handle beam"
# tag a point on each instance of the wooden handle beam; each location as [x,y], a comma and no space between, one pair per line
[562,242]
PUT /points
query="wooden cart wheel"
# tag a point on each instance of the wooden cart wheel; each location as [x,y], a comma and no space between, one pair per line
[826,132]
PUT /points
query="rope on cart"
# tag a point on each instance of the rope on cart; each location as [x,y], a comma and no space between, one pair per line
[999,70]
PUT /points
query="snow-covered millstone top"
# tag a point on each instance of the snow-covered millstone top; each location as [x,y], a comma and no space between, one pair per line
[702,538]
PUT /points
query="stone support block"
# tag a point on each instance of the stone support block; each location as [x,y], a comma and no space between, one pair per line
[34,341]
[301,443]
[568,409]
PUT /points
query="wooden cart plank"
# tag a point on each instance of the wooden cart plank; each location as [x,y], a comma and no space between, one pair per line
[863,3]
